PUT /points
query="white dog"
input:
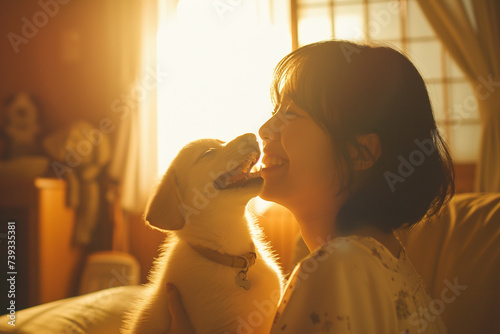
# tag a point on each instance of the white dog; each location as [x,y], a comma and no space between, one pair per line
[226,276]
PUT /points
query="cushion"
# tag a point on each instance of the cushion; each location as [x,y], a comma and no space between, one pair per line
[458,256]
[96,313]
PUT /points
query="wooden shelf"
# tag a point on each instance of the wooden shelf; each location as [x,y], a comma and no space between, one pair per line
[46,260]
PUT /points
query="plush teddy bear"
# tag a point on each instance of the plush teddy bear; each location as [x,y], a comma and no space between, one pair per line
[22,129]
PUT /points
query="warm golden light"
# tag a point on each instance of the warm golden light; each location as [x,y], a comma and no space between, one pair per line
[349,27]
[313,29]
[218,64]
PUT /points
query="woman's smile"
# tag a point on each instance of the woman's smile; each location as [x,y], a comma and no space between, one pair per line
[295,165]
[272,161]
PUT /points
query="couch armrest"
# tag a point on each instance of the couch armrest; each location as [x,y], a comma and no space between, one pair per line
[458,256]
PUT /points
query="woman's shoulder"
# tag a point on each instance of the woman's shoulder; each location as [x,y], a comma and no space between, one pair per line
[353,253]
[351,284]
[345,275]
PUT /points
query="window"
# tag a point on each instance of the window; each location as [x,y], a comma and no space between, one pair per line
[218,58]
[401,24]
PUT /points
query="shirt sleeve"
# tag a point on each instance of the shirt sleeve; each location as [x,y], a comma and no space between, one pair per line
[338,289]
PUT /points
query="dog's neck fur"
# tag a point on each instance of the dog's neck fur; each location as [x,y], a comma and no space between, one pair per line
[226,232]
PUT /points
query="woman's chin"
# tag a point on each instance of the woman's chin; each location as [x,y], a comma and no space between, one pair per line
[264,194]
[272,194]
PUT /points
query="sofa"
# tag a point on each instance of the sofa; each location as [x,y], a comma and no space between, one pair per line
[457,254]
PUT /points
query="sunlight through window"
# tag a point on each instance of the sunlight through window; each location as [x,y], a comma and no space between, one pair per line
[349,27]
[218,63]
[312,29]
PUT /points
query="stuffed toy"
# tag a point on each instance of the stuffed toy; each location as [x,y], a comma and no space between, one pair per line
[21,155]
[22,129]
[80,151]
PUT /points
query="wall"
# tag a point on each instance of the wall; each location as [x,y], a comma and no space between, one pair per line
[64,60]
[61,52]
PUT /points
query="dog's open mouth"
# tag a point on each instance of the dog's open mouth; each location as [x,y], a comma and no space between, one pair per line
[241,175]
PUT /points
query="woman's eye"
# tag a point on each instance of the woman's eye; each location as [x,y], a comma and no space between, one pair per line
[290,115]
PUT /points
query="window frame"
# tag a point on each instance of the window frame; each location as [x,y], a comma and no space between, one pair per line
[447,117]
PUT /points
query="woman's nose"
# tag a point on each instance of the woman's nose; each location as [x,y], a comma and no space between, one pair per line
[270,130]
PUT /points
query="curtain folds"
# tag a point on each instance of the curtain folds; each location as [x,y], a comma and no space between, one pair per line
[470,30]
[134,162]
[134,27]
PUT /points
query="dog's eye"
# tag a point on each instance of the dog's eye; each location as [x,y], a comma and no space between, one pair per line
[206,153]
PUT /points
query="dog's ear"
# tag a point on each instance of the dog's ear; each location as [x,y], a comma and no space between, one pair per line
[164,210]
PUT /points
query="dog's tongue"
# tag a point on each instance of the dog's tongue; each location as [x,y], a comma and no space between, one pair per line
[240,175]
[237,177]
[228,181]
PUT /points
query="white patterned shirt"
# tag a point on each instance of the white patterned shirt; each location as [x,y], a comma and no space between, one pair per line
[356,285]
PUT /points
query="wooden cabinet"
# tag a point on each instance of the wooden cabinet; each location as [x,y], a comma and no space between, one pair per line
[46,262]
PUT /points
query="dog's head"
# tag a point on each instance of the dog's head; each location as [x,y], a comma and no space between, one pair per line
[207,175]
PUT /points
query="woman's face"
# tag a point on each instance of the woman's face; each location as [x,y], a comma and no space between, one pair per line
[298,164]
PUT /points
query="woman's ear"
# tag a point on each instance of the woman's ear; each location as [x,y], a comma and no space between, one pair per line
[368,153]
[164,210]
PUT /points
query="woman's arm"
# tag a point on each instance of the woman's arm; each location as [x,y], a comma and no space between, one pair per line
[180,319]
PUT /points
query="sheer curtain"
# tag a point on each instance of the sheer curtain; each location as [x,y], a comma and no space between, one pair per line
[134,25]
[470,30]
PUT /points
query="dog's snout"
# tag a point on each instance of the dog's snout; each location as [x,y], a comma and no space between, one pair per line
[248,137]
[247,143]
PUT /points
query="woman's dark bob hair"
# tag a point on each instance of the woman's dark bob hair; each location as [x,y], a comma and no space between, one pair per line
[351,90]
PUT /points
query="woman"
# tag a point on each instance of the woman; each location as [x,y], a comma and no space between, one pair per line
[352,150]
